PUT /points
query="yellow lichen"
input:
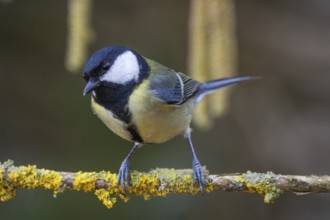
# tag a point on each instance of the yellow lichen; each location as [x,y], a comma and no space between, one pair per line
[161,182]
[145,185]
[84,181]
[158,182]
[25,177]
[7,192]
[13,176]
[104,196]
[108,196]
[51,180]
[263,184]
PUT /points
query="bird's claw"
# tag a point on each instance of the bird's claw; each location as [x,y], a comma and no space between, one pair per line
[123,177]
[198,174]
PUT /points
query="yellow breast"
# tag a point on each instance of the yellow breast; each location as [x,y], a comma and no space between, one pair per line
[107,117]
[158,122]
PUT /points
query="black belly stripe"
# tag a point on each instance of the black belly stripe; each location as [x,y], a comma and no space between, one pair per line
[115,99]
[135,134]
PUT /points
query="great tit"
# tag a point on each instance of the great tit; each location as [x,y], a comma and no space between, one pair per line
[145,102]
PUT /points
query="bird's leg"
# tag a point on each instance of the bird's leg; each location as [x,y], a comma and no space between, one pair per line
[123,176]
[198,172]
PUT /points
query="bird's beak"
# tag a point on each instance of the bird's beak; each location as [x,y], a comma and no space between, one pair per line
[90,86]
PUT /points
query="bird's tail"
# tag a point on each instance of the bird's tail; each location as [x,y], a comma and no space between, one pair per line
[212,86]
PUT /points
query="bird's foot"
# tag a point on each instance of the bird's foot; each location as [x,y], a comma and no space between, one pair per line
[198,174]
[123,177]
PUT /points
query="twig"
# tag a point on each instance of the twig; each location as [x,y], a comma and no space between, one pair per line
[158,182]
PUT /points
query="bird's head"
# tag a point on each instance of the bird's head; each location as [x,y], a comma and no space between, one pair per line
[114,67]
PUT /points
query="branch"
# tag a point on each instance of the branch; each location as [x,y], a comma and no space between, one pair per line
[158,182]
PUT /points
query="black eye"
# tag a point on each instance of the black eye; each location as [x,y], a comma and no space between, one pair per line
[86,77]
[105,67]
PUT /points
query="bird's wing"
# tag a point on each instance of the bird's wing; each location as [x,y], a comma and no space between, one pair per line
[171,87]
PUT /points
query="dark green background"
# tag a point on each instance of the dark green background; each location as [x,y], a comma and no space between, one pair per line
[280,123]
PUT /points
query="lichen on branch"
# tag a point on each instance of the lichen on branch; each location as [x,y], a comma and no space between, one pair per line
[156,183]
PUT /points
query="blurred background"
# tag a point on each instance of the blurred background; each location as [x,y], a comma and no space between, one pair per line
[279,124]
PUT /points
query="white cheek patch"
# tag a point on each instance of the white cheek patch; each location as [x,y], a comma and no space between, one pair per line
[124,69]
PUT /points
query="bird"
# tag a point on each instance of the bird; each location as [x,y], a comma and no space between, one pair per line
[145,102]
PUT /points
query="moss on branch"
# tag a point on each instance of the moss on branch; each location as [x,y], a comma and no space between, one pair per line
[156,183]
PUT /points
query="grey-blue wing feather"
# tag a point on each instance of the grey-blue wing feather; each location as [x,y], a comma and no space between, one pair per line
[188,87]
[171,87]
